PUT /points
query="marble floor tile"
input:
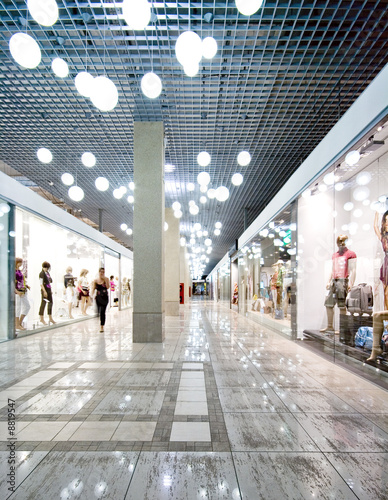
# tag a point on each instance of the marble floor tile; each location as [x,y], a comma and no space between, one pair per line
[191,375]
[67,431]
[365,400]
[239,399]
[40,431]
[154,378]
[192,366]
[343,432]
[296,476]
[94,431]
[190,431]
[313,401]
[162,366]
[79,475]
[25,463]
[192,384]
[61,364]
[239,379]
[5,432]
[191,408]
[13,394]
[134,431]
[184,476]
[284,380]
[266,432]
[365,473]
[191,396]
[130,402]
[379,419]
[56,402]
[84,378]
[90,365]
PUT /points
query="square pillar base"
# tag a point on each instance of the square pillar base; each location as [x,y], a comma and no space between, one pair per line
[171,308]
[148,327]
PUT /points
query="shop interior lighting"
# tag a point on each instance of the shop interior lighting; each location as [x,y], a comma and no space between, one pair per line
[67,179]
[123,226]
[244,158]
[188,48]
[199,234]
[151,85]
[60,67]
[205,233]
[44,12]
[197,226]
[361,193]
[191,203]
[248,7]
[166,226]
[348,206]
[322,188]
[222,193]
[136,13]
[117,193]
[178,214]
[203,188]
[194,210]
[131,186]
[217,232]
[76,193]
[190,186]
[203,159]
[84,83]
[168,168]
[203,178]
[104,94]
[208,242]
[306,193]
[25,50]
[123,189]
[237,179]
[218,225]
[211,193]
[176,205]
[352,158]
[363,178]
[129,231]
[339,186]
[203,199]
[130,199]
[44,155]
[88,159]
[101,183]
[209,47]
[182,242]
[329,179]
[191,69]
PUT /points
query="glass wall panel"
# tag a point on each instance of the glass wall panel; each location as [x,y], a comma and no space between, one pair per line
[112,270]
[7,288]
[126,281]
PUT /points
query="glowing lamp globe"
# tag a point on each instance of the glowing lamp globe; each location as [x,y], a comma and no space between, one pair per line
[203,178]
[352,158]
[76,193]
[129,231]
[361,193]
[203,159]
[188,48]
[117,193]
[44,12]
[222,193]
[101,183]
[84,83]
[67,179]
[203,199]
[123,226]
[237,179]
[131,185]
[208,242]
[363,178]
[88,159]
[151,85]
[217,232]
[176,205]
[197,226]
[243,158]
[191,69]
[248,7]
[25,50]
[60,67]
[182,242]
[190,186]
[191,203]
[44,155]
[211,194]
[104,94]
[203,188]
[178,214]
[166,226]
[194,210]
[218,225]
[209,47]
[136,13]
[130,199]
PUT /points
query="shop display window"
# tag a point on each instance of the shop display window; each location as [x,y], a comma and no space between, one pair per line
[126,281]
[6,270]
[112,271]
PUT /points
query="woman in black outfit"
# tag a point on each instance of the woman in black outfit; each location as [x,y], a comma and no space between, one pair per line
[47,296]
[101,285]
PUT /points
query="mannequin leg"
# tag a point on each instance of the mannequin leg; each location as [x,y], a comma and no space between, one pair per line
[378,328]
[70,306]
[50,306]
[275,300]
[41,311]
[386,297]
[330,320]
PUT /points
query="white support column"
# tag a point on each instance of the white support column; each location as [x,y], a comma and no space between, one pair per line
[172,269]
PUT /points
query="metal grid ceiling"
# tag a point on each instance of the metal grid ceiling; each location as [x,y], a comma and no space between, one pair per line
[280,80]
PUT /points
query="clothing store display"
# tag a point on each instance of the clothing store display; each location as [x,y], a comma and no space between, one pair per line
[45,280]
[340,262]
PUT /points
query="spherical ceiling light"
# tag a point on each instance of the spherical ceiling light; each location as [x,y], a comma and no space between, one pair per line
[67,179]
[88,159]
[44,12]
[123,189]
[191,68]
[84,83]
[104,93]
[197,226]
[222,193]
[178,214]
[211,194]
[130,199]
[76,193]
[131,185]
[338,186]
[190,186]
[203,199]
[363,178]
[176,205]
[244,158]
[237,179]
[352,158]
[129,231]
[25,50]
[209,47]
[203,188]
[101,183]
[348,206]
[248,7]
[217,232]
[165,226]
[188,48]
[182,241]
[60,67]
[203,159]
[329,179]
[117,193]
[44,155]
[361,193]
[151,85]
[218,225]
[194,210]
[136,13]
[199,234]
[208,242]
[123,226]
[203,178]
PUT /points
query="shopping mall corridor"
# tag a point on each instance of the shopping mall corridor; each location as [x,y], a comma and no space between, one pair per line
[223,409]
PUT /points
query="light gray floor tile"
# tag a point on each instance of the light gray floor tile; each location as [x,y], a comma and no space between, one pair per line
[365,400]
[379,419]
[94,431]
[191,396]
[266,432]
[192,366]
[134,431]
[61,364]
[190,431]
[239,379]
[313,401]
[144,378]
[296,476]
[239,399]
[131,402]
[56,402]
[85,378]
[191,408]
[184,476]
[40,431]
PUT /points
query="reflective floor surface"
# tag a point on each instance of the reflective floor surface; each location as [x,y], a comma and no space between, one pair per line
[222,409]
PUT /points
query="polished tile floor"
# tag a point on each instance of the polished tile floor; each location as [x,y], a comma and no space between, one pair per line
[223,409]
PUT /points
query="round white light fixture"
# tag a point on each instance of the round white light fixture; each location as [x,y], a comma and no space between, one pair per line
[123,189]
[129,231]
[165,226]
[44,12]
[123,226]
[203,188]
[211,193]
[248,7]
[237,179]
[67,179]
[244,158]
[130,199]
[131,185]
[76,193]
[222,193]
[363,178]
[25,50]
[182,241]
[322,188]
[60,67]
[101,183]
[361,193]
[208,242]
[151,85]
[178,214]
[348,206]
[191,203]
[203,199]
[104,93]
[176,205]
[191,69]
[209,47]
[190,186]
[205,233]
[188,48]
[88,159]
[136,13]
[357,213]
[84,83]
[218,225]
[217,232]
[5,208]
[203,159]
[329,179]
[352,158]
[44,155]
[203,178]
[194,210]
[197,226]
[306,194]
[117,193]
[199,234]
[339,186]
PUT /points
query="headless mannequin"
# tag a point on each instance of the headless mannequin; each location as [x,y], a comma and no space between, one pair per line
[378,328]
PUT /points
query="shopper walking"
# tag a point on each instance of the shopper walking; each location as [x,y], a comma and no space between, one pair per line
[101,286]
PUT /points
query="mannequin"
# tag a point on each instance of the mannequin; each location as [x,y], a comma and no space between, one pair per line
[378,328]
[342,279]
[68,281]
[46,291]
[382,234]
[83,290]
[22,304]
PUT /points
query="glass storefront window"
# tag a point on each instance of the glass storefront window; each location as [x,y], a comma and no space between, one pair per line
[126,281]
[6,268]
[112,271]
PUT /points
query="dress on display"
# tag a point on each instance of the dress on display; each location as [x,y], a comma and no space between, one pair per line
[384,266]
